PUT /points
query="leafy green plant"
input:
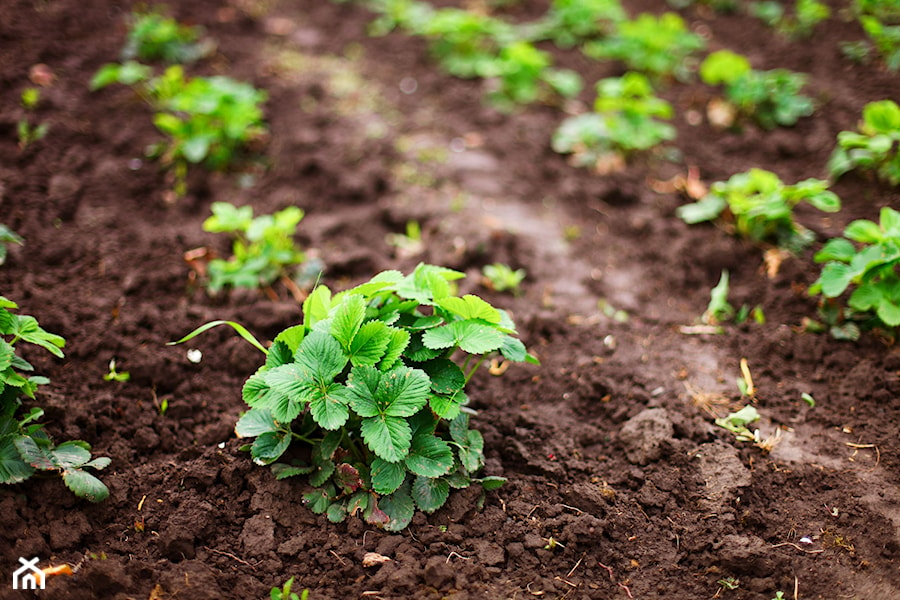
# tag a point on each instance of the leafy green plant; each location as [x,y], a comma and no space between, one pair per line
[806,15]
[657,46]
[770,97]
[624,121]
[285,593]
[875,146]
[366,396]
[525,75]
[263,249]
[760,207]
[152,35]
[207,119]
[501,278]
[570,22]
[738,421]
[886,39]
[8,236]
[25,448]
[465,43]
[873,270]
[28,133]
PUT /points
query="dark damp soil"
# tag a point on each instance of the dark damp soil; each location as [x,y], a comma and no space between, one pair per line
[607,445]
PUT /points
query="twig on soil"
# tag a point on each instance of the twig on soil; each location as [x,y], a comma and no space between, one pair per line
[578,510]
[335,554]
[569,583]
[858,447]
[569,574]
[230,555]
[797,547]
[796,588]
[457,555]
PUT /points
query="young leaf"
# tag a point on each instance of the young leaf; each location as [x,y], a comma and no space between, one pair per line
[84,485]
[269,447]
[446,377]
[447,406]
[430,494]
[318,500]
[316,306]
[321,356]
[283,471]
[472,336]
[387,476]
[429,456]
[12,468]
[348,318]
[369,343]
[255,422]
[397,343]
[70,454]
[328,405]
[37,456]
[388,437]
[492,482]
[470,307]
[399,508]
[240,329]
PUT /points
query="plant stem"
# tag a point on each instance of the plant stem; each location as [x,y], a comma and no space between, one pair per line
[475,368]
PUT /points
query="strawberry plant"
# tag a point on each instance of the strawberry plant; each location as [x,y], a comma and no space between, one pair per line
[760,207]
[807,14]
[873,269]
[886,39]
[152,35]
[25,448]
[263,249]
[770,97]
[874,146]
[525,75]
[657,46]
[624,121]
[465,43]
[8,236]
[503,278]
[570,22]
[207,119]
[366,396]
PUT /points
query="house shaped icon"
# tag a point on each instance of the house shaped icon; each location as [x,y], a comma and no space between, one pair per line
[28,576]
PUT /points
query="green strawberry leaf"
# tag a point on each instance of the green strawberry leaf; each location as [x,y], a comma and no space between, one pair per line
[430,494]
[429,456]
[84,485]
[387,476]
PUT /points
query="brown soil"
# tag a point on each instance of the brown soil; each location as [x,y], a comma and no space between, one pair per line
[606,445]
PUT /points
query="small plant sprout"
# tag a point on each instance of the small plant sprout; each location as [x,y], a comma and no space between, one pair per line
[874,147]
[661,47]
[624,121]
[25,447]
[728,583]
[285,593]
[758,206]
[263,250]
[370,390]
[873,270]
[737,422]
[408,244]
[771,98]
[8,236]
[114,375]
[569,22]
[154,36]
[807,14]
[719,310]
[28,133]
[886,39]
[502,278]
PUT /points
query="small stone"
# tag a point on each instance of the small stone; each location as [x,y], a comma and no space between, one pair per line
[373,559]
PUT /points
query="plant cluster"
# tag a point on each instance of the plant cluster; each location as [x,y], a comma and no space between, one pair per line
[772,98]
[503,278]
[155,36]
[207,120]
[886,39]
[624,121]
[25,447]
[657,46]
[570,22]
[872,269]
[807,14]
[874,146]
[366,396]
[760,207]
[263,249]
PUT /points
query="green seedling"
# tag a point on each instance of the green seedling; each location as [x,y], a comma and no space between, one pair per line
[807,14]
[502,278]
[370,390]
[285,593]
[571,22]
[114,375]
[153,36]
[873,270]
[8,236]
[524,75]
[779,596]
[465,43]
[874,147]
[810,401]
[263,247]
[760,207]
[737,422]
[858,51]
[408,244]
[624,121]
[886,11]
[886,39]
[208,120]
[719,310]
[28,133]
[771,98]
[729,583]
[661,47]
[25,448]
